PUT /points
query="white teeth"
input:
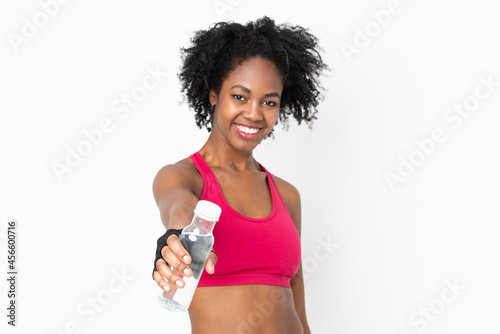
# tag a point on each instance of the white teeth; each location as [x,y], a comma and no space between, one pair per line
[247,130]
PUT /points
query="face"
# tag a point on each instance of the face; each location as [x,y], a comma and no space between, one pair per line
[250,96]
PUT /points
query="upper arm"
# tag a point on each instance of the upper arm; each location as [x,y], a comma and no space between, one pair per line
[291,197]
[295,207]
[172,190]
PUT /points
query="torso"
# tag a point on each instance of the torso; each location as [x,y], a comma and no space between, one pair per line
[251,308]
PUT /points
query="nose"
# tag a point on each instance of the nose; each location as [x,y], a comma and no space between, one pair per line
[253,111]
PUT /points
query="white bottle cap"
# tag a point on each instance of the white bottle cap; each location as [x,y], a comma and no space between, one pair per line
[208,210]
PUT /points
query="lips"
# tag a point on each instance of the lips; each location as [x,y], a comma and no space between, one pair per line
[247,135]
[249,126]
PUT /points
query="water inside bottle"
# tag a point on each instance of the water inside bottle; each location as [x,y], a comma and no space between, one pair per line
[198,247]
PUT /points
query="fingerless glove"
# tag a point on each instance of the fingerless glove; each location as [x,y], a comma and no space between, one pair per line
[162,241]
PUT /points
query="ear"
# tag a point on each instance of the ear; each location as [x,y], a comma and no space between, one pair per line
[212,97]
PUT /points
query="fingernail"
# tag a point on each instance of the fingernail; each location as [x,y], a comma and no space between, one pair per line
[187,272]
[186,258]
[166,288]
[178,283]
[213,268]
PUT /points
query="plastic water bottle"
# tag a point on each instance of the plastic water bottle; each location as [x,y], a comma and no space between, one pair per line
[198,240]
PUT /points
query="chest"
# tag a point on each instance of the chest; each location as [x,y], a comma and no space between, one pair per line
[248,192]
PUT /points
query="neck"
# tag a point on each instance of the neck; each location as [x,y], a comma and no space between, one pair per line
[227,157]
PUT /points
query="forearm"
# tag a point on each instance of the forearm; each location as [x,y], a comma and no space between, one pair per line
[173,195]
[180,215]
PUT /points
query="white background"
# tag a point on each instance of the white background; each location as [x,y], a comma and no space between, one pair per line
[395,248]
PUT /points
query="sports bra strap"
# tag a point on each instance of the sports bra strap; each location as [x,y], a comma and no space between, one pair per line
[209,180]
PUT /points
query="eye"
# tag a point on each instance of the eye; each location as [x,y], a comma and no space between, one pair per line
[238,97]
[270,103]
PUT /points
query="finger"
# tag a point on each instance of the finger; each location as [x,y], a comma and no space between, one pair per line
[175,270]
[168,274]
[212,260]
[175,262]
[176,247]
[162,283]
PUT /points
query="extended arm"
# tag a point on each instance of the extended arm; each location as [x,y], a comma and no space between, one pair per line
[173,194]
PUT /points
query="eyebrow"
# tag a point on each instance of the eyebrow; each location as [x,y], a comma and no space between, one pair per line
[249,91]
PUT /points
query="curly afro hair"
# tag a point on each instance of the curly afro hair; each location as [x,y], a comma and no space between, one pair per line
[215,52]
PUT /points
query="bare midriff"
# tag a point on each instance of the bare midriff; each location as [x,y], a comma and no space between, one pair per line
[244,309]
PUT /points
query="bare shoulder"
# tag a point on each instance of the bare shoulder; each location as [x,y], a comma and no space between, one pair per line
[182,173]
[291,196]
[181,170]
[286,189]
[173,189]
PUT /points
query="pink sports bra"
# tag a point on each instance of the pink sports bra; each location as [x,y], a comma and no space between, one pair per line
[250,250]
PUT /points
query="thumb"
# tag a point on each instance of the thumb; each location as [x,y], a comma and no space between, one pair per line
[212,260]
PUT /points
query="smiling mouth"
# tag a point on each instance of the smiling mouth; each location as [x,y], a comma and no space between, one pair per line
[246,132]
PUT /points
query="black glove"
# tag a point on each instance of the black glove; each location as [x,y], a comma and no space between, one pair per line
[162,241]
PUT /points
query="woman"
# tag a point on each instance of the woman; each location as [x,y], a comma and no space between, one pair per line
[241,80]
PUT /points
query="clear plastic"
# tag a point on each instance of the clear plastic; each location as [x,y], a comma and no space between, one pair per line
[198,240]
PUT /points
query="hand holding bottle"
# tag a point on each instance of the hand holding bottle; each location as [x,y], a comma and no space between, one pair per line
[179,258]
[187,255]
